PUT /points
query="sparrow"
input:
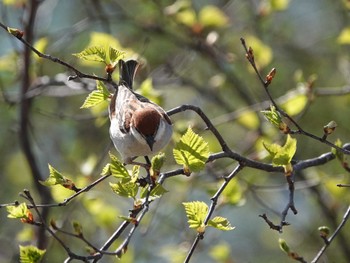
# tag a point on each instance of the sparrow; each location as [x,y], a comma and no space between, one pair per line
[138,127]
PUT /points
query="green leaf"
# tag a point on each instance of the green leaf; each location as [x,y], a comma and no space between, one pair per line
[56,178]
[196,212]
[157,163]
[94,53]
[221,252]
[19,211]
[283,245]
[187,17]
[233,193]
[115,55]
[220,223]
[262,53]
[30,254]
[146,89]
[78,229]
[282,155]
[211,16]
[156,192]
[128,189]
[96,96]
[273,116]
[117,169]
[191,151]
[249,119]
[41,45]
[279,5]
[344,37]
[295,103]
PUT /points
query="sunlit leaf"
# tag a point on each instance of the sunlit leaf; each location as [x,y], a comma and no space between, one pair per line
[19,211]
[127,189]
[102,212]
[117,169]
[30,254]
[221,252]
[115,55]
[156,192]
[233,193]
[94,53]
[196,212]
[344,36]
[146,89]
[273,116]
[294,104]
[187,17]
[191,151]
[100,38]
[262,53]
[212,16]
[41,46]
[282,155]
[279,5]
[220,223]
[157,163]
[249,119]
[56,178]
[96,96]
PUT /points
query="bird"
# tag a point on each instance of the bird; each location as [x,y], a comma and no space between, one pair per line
[138,127]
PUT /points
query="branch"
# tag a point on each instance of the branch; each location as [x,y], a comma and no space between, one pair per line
[265,83]
[78,73]
[213,204]
[329,240]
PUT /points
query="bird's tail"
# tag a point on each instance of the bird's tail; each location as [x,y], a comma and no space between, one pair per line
[127,70]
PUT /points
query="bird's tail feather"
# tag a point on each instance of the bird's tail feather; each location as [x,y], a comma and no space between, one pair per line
[127,70]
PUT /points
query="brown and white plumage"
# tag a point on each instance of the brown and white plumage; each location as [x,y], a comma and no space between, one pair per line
[138,126]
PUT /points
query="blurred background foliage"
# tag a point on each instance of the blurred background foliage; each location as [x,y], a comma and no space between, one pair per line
[191,54]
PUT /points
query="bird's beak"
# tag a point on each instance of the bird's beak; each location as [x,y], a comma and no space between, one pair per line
[150,141]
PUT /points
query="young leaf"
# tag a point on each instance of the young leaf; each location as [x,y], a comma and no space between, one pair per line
[30,254]
[156,163]
[220,223]
[191,151]
[78,229]
[282,155]
[283,245]
[115,55]
[196,212]
[156,192]
[211,16]
[20,211]
[56,178]
[146,89]
[128,189]
[96,96]
[324,231]
[94,53]
[274,117]
[117,169]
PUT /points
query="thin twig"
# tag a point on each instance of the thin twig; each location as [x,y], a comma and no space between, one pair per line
[265,84]
[331,238]
[213,204]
